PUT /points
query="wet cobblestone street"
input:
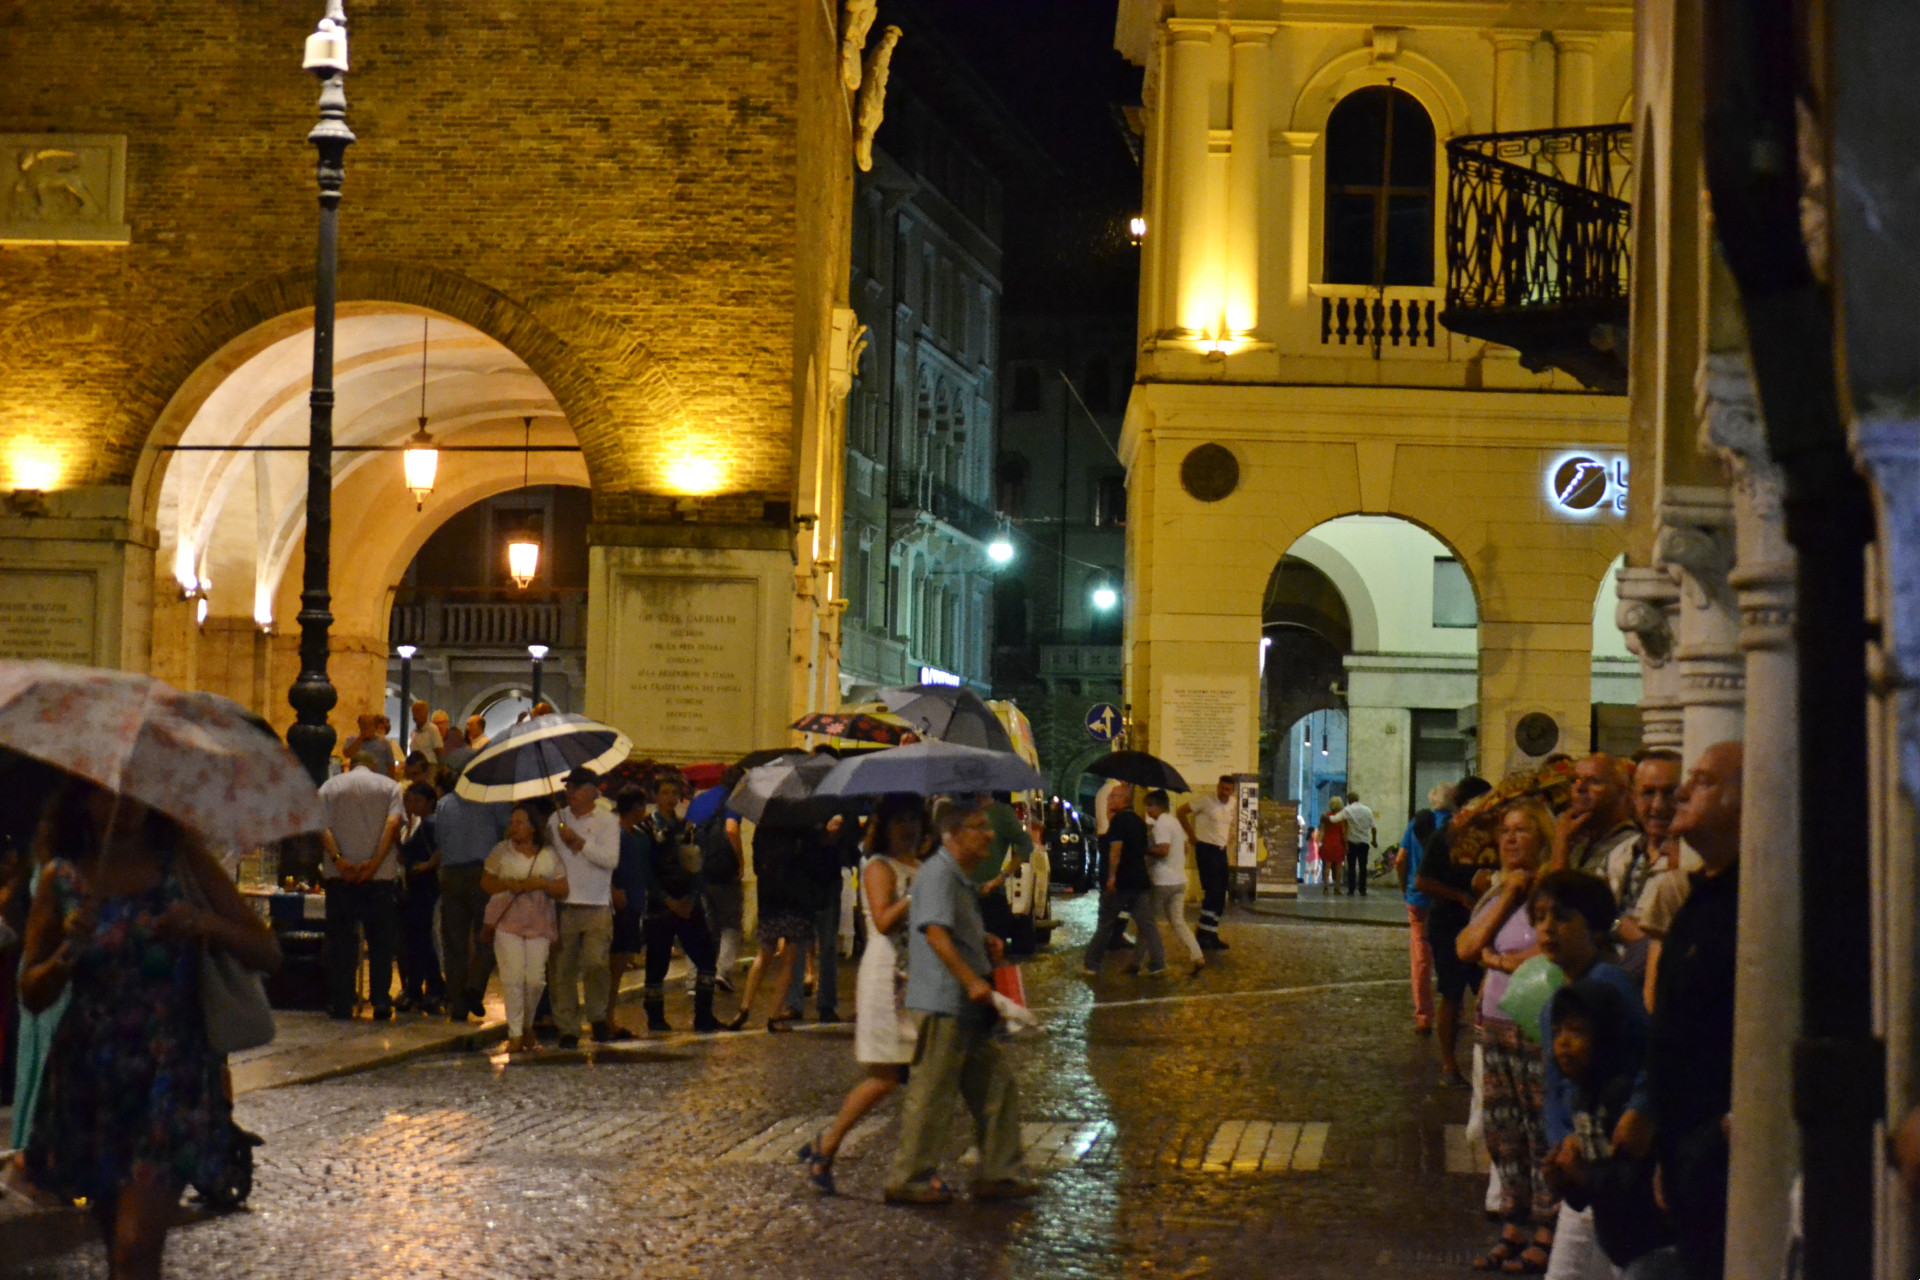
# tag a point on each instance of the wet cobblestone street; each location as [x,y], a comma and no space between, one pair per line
[1273,1117]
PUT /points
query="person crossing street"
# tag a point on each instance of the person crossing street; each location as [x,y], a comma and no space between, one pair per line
[1210,821]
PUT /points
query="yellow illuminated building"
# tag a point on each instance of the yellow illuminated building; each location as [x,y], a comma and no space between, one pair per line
[1295,367]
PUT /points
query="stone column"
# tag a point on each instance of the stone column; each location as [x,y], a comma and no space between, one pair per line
[1767,990]
[1247,173]
[1186,246]
[1573,81]
[1648,611]
[1511,101]
[1695,544]
[1299,201]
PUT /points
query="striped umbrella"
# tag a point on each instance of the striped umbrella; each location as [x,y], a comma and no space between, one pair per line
[535,756]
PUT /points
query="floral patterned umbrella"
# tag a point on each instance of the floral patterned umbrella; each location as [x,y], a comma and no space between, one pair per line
[196,757]
[857,726]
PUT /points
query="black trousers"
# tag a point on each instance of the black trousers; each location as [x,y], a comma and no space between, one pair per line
[1358,857]
[372,908]
[420,978]
[462,908]
[662,931]
[1210,860]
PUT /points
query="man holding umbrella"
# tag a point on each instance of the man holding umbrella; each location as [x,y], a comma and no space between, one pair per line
[588,842]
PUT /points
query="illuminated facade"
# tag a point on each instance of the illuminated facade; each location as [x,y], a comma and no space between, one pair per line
[1294,366]
[658,283]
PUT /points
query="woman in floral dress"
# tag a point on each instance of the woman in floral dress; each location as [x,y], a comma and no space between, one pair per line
[134,1110]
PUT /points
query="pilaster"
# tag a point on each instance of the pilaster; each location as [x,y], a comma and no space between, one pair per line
[1186,245]
[1247,173]
[1767,985]
[1695,544]
[1573,79]
[1512,98]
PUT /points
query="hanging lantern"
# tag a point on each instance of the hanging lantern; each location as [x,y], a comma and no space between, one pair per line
[523,558]
[422,460]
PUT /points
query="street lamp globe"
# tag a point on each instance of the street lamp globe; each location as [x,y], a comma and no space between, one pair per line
[536,651]
[1000,551]
[1105,597]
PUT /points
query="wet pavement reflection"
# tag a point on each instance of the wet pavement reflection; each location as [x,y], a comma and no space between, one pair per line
[1273,1116]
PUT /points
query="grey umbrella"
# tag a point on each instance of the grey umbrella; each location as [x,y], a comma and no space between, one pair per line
[785,784]
[951,713]
[930,769]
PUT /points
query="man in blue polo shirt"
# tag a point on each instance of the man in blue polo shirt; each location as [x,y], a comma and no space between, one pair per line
[467,831]
[950,959]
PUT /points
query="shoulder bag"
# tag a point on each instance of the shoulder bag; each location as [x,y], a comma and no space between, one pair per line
[233,1000]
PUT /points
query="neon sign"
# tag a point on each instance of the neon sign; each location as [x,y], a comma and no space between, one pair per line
[1583,483]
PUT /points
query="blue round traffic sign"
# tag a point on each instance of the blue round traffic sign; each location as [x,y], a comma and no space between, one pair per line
[1103,722]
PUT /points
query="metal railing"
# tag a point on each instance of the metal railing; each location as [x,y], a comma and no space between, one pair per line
[922,491]
[1538,220]
[448,621]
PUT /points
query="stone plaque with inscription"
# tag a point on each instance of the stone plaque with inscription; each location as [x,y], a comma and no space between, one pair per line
[47,615]
[1205,726]
[57,187]
[688,666]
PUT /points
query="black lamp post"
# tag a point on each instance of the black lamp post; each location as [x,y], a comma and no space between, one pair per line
[406,652]
[538,652]
[313,694]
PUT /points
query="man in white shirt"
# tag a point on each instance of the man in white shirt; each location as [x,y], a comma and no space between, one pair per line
[361,880]
[587,838]
[1359,823]
[1210,819]
[1167,868]
[425,738]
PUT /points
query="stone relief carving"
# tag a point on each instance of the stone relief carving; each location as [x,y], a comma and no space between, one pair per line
[62,186]
[873,98]
[856,19]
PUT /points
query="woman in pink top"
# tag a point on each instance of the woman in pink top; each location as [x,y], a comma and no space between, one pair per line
[1500,938]
[525,879]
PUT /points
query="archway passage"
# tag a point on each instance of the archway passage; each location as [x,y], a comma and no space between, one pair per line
[1372,626]
[230,505]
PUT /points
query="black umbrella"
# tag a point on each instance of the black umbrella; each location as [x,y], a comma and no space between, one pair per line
[948,712]
[535,756]
[1139,768]
[782,789]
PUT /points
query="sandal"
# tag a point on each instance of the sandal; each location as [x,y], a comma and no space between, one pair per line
[1510,1245]
[819,1166]
[931,1192]
[1533,1260]
[782,1021]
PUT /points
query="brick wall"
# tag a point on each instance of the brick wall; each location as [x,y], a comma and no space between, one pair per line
[614,190]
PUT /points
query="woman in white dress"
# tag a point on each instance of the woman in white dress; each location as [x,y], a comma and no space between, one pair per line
[883,1034]
[525,878]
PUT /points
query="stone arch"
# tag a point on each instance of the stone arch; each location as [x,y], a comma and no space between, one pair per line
[1422,77]
[188,361]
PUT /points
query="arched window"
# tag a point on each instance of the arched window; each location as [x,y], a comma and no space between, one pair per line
[1380,190]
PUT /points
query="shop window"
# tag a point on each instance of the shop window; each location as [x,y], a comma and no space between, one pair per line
[1380,190]
[1453,604]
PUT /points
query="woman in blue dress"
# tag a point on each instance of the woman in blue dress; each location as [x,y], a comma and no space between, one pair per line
[133,1108]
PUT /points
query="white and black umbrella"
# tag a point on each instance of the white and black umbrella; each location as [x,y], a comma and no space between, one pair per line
[951,713]
[535,756]
[930,769]
[785,786]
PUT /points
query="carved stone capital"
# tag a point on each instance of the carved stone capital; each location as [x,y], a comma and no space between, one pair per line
[1647,599]
[1732,430]
[1699,556]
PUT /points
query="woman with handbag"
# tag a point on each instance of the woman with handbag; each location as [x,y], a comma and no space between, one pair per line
[1500,938]
[134,1109]
[883,1034]
[526,879]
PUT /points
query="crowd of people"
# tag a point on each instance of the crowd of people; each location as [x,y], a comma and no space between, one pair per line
[1590,909]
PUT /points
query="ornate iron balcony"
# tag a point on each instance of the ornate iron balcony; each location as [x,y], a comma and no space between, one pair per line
[915,492]
[1537,247]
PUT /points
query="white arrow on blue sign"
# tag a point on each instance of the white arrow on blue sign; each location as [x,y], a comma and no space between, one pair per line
[1103,722]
